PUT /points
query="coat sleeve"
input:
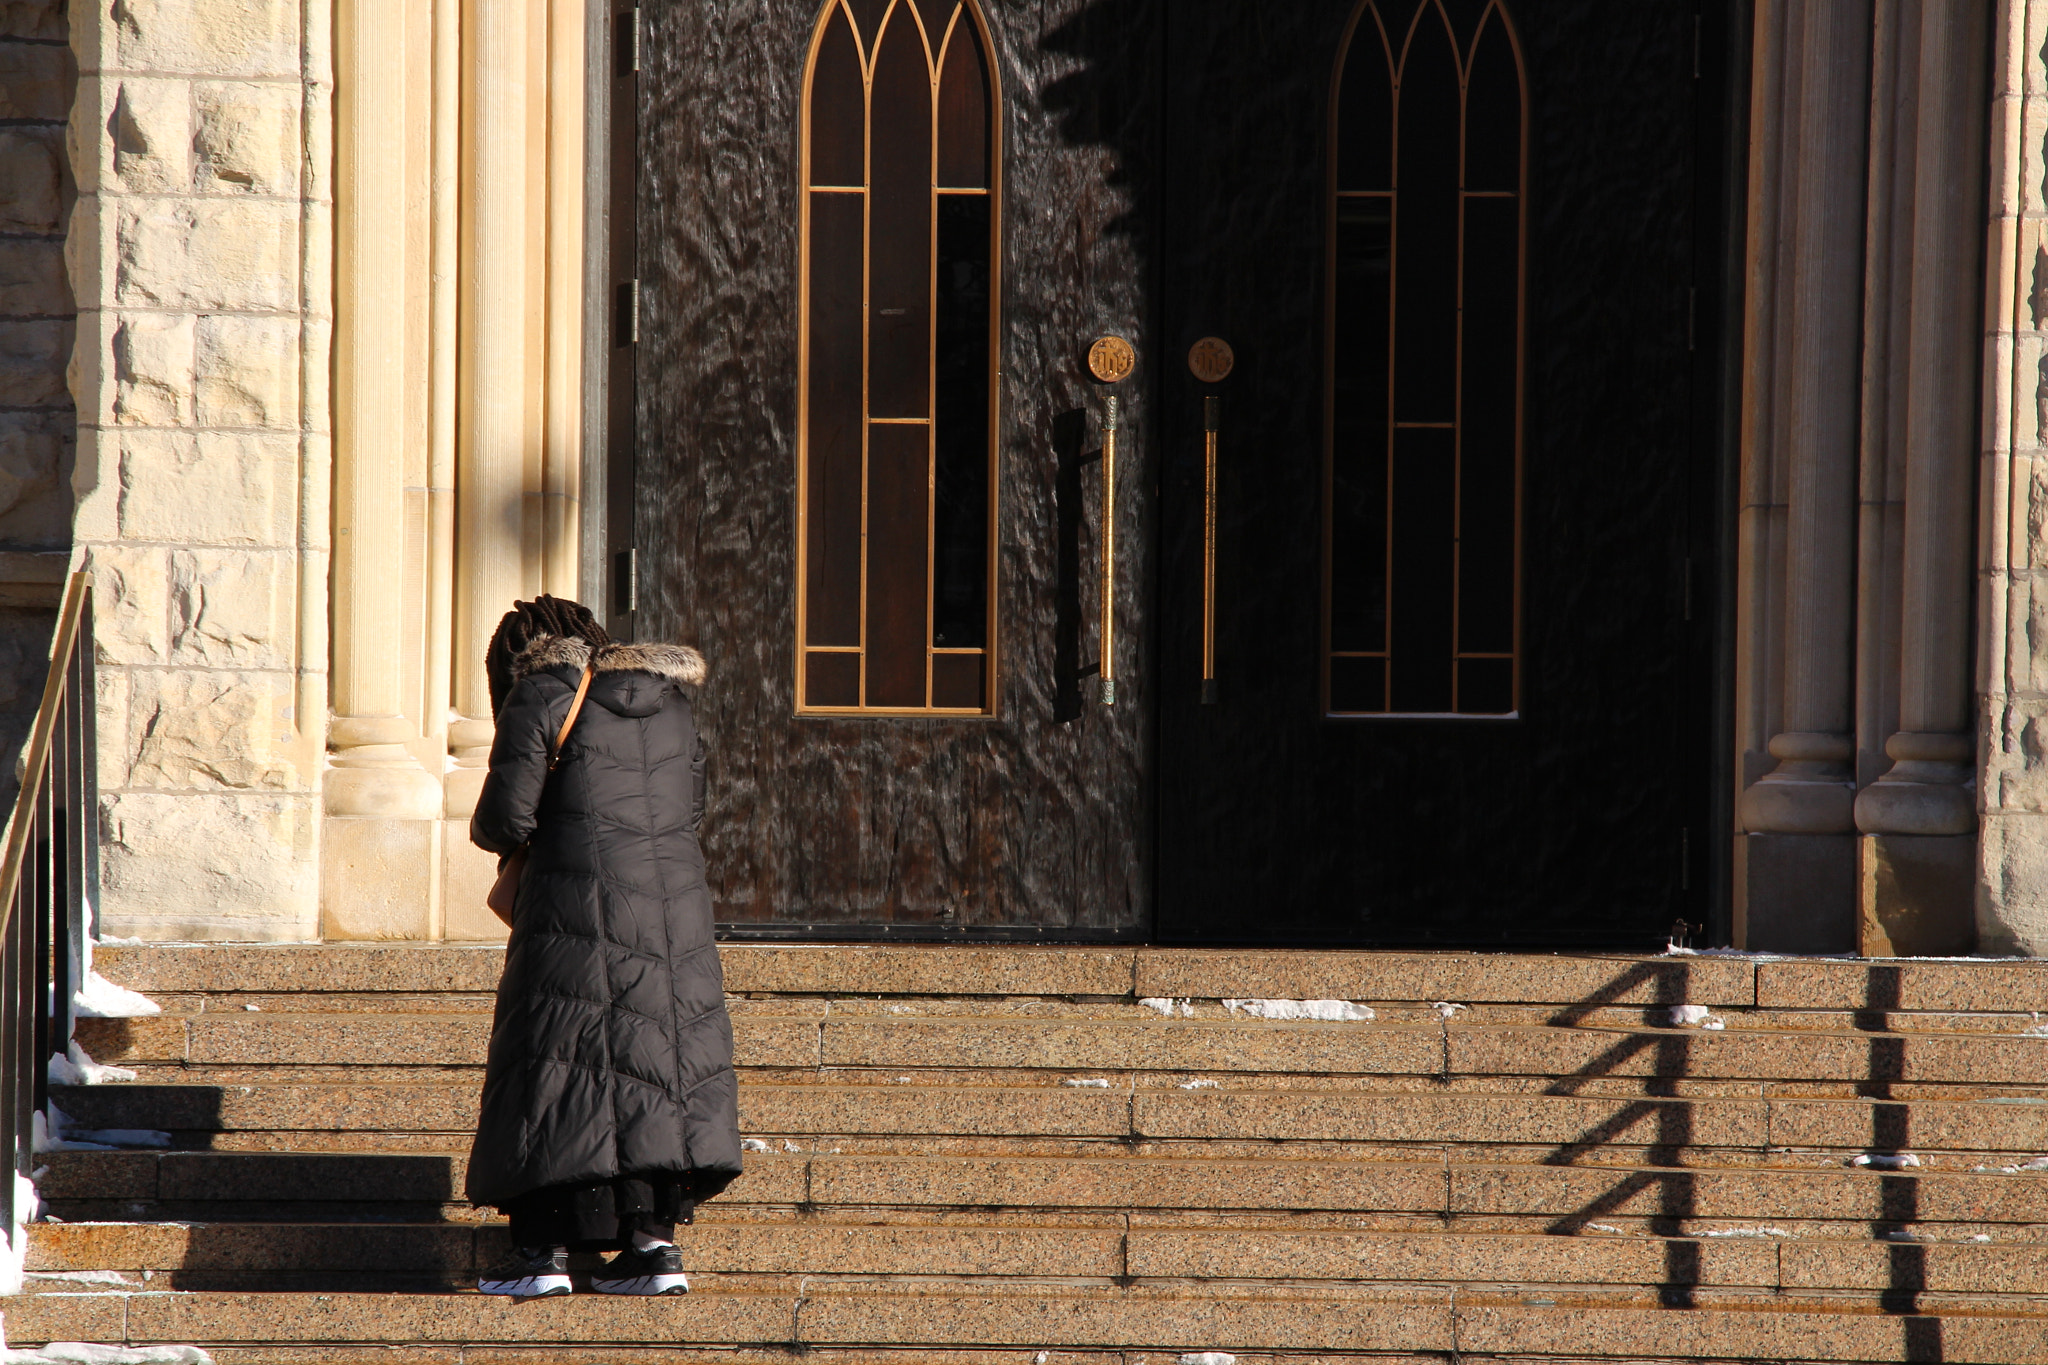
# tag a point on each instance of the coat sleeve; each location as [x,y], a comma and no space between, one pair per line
[509,805]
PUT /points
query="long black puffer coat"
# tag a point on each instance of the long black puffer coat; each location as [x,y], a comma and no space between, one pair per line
[611,1052]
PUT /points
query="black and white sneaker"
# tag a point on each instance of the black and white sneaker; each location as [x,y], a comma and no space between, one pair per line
[528,1273]
[658,1270]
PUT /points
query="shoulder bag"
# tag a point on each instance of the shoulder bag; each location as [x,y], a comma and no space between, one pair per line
[505,890]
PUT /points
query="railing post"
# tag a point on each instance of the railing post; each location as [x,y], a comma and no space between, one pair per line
[49,892]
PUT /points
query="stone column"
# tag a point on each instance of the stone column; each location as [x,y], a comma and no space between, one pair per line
[561,507]
[501,387]
[1919,866]
[2012,892]
[444,400]
[1887,379]
[382,806]
[1800,854]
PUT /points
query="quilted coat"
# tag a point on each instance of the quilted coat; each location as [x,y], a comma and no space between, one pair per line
[611,1050]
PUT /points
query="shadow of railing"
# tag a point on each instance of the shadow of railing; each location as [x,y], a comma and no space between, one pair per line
[1664,1168]
[1672,1115]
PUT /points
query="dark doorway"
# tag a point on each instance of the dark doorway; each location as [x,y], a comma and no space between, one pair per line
[868,475]
[1464,532]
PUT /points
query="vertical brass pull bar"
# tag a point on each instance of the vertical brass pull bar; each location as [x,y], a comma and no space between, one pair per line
[1109,425]
[1212,423]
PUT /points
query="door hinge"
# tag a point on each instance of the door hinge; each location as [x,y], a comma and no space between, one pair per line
[635,50]
[629,312]
[626,581]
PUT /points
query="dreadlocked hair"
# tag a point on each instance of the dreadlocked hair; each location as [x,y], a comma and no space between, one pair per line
[527,622]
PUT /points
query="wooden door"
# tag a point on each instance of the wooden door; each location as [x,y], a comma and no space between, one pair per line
[874,240]
[1466,254]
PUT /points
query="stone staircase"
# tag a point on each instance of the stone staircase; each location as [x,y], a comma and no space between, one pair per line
[996,1155]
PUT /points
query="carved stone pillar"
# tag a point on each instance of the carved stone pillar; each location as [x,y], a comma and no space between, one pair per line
[381,836]
[1798,863]
[2012,869]
[1929,792]
[502,390]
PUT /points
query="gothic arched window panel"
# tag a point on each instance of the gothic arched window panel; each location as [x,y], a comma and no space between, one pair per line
[896,464]
[1428,214]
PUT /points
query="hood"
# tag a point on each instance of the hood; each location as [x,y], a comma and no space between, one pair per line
[632,680]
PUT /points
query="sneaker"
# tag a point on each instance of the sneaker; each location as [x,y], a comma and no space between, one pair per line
[528,1273]
[658,1270]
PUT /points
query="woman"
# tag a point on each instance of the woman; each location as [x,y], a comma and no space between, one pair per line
[608,1106]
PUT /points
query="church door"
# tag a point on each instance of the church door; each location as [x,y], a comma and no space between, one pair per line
[1203,470]
[876,241]
[1434,661]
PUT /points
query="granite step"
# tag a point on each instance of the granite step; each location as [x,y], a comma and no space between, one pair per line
[1565,980]
[1130,1038]
[1106,1247]
[240,1185]
[1524,1322]
[986,1156]
[1132,1108]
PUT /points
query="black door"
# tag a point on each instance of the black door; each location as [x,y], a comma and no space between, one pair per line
[875,239]
[1460,597]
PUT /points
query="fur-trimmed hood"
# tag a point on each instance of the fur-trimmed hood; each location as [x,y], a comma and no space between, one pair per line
[678,663]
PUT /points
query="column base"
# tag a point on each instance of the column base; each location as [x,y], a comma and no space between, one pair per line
[466,876]
[1796,892]
[1918,895]
[377,879]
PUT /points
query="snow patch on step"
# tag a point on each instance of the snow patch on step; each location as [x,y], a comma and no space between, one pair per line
[99,998]
[1694,1016]
[92,1353]
[1885,1161]
[754,1145]
[85,1277]
[1169,1008]
[1747,1232]
[1208,1358]
[73,1067]
[14,1255]
[1086,1082]
[1331,1010]
[2039,1163]
[52,1132]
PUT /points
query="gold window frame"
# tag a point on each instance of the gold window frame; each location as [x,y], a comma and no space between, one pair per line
[1367,11]
[967,11]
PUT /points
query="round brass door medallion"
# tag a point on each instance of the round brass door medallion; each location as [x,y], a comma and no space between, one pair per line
[1111,358]
[1211,360]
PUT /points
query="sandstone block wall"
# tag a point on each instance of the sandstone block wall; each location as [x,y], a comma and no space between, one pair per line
[199,255]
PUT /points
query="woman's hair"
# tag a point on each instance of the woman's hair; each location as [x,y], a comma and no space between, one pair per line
[527,622]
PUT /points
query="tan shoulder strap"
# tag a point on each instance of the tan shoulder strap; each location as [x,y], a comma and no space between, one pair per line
[569,721]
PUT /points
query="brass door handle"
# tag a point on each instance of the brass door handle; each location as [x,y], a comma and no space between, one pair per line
[1110,360]
[1210,361]
[1109,428]
[1212,423]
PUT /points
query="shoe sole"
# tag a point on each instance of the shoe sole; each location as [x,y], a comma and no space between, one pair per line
[527,1287]
[644,1284]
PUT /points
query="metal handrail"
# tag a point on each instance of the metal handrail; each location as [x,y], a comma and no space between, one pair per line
[49,888]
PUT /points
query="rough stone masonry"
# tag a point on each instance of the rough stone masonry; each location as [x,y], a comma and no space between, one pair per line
[198,249]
